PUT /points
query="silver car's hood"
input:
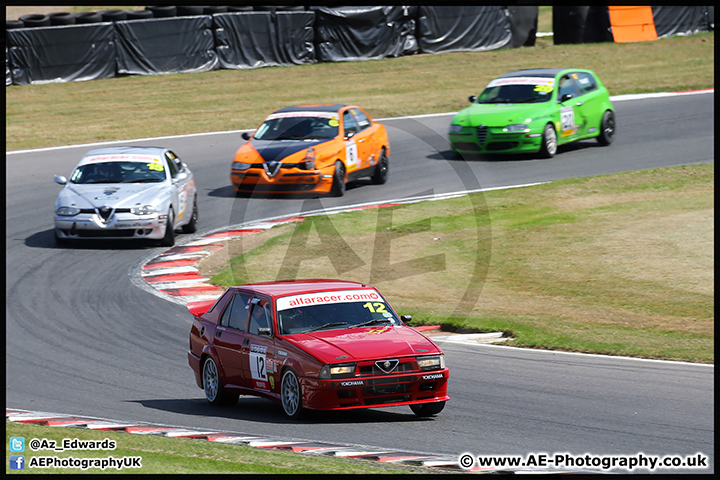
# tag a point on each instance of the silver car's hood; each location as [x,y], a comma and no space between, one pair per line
[114,195]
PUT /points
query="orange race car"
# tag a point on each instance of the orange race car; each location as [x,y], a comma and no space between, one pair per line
[311,148]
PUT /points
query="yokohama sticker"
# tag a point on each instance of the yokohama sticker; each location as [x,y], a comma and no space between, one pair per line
[352,383]
[433,376]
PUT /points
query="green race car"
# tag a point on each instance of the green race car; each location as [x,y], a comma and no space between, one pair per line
[534,111]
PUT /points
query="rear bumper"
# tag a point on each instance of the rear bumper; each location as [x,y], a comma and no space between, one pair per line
[375,391]
[194,362]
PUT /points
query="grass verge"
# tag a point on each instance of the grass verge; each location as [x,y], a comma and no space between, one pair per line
[130,107]
[618,264]
[162,455]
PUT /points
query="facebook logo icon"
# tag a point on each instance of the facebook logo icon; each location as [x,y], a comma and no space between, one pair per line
[17,462]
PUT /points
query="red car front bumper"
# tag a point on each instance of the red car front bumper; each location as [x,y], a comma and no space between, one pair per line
[375,391]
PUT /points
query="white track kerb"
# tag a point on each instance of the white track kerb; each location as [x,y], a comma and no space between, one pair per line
[437,462]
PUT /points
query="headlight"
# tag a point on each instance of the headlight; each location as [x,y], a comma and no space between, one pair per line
[240,166]
[456,128]
[310,159]
[144,210]
[336,371]
[518,127]
[431,362]
[67,211]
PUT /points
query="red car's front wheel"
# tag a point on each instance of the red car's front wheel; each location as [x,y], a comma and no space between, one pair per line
[291,394]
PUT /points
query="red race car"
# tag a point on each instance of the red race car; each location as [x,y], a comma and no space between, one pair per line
[314,344]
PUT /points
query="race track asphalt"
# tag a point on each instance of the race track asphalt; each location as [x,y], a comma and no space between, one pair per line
[82,339]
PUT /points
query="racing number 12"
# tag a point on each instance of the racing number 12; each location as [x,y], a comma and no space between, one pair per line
[376,307]
[257,366]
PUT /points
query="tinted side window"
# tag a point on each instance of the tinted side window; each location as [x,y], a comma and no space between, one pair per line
[235,314]
[586,82]
[349,123]
[171,165]
[260,317]
[362,120]
[567,86]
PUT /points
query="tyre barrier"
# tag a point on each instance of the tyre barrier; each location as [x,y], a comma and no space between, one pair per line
[189,10]
[88,17]
[34,20]
[10,24]
[139,14]
[213,9]
[113,15]
[162,11]
[62,18]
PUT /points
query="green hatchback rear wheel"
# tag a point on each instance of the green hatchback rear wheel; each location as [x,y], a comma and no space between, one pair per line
[607,129]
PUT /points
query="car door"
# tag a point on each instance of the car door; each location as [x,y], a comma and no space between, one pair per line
[230,339]
[590,103]
[350,130]
[259,351]
[182,188]
[572,116]
[368,147]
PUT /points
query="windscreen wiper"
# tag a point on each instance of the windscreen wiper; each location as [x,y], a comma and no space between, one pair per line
[370,322]
[332,324]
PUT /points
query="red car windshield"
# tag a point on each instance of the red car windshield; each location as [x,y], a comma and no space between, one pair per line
[309,318]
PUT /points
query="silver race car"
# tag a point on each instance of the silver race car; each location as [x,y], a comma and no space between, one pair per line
[126,192]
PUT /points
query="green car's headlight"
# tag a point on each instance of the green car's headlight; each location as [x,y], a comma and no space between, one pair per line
[454,128]
[517,127]
[67,211]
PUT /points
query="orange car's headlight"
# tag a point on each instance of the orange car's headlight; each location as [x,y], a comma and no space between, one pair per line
[310,159]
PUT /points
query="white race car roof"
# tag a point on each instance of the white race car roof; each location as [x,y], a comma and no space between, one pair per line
[124,154]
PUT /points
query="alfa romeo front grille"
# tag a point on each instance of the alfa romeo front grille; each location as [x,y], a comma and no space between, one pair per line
[373,369]
[482,134]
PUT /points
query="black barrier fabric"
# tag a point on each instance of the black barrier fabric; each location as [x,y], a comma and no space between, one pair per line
[166,45]
[523,25]
[679,20]
[363,33]
[465,28]
[8,73]
[581,25]
[62,53]
[264,39]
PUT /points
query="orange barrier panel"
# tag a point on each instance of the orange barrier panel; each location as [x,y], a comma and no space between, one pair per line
[632,24]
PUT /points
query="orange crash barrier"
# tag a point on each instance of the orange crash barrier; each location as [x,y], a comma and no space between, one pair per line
[632,24]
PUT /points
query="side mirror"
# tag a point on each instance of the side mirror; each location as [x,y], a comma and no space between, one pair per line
[472,98]
[180,177]
[406,318]
[246,135]
[566,97]
[59,179]
[349,135]
[265,331]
